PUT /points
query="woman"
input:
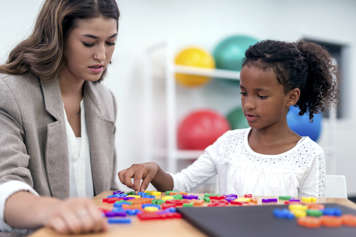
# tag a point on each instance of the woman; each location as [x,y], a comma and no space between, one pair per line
[57,122]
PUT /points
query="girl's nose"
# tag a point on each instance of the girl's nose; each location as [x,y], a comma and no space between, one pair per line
[248,103]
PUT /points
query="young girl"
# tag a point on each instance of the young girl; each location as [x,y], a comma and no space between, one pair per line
[267,159]
[57,121]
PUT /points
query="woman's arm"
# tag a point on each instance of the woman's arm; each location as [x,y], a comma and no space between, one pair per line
[71,216]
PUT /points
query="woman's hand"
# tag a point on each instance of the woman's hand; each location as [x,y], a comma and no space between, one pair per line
[71,216]
[144,172]
[74,216]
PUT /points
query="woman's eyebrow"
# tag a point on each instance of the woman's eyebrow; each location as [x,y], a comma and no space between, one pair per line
[96,37]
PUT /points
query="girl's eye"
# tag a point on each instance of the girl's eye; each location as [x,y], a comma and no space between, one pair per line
[243,93]
[263,97]
[86,44]
[110,43]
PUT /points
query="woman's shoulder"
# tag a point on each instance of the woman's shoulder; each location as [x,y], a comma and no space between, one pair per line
[18,85]
[99,90]
[102,97]
[17,77]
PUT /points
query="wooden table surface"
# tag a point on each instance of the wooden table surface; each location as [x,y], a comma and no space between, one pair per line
[164,228]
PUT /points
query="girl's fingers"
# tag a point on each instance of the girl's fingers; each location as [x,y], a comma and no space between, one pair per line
[146,181]
[137,179]
[126,178]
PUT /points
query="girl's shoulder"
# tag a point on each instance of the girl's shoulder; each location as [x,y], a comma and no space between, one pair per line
[307,146]
[235,136]
[229,142]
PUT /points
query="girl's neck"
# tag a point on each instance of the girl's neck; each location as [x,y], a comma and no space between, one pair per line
[272,140]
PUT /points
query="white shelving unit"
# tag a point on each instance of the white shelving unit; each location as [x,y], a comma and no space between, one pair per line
[170,151]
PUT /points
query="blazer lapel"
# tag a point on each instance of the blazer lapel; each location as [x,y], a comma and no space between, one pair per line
[100,131]
[56,156]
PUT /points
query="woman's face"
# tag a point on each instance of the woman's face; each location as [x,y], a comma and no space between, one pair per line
[89,48]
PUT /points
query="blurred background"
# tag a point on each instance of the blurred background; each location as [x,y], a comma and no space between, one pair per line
[154,107]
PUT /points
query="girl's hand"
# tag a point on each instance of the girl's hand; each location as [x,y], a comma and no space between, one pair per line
[144,172]
[74,216]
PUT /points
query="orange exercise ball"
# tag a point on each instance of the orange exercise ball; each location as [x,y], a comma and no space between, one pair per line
[193,57]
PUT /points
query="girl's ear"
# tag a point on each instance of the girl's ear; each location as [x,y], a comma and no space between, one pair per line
[293,97]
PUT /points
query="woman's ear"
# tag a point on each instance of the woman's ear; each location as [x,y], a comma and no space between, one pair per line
[293,97]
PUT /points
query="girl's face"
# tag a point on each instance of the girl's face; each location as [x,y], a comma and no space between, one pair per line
[89,48]
[262,97]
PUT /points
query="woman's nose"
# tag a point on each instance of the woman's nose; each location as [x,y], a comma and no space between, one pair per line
[100,54]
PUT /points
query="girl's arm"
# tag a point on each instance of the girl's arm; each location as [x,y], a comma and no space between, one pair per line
[139,176]
[315,179]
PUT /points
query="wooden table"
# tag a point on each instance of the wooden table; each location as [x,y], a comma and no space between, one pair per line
[164,228]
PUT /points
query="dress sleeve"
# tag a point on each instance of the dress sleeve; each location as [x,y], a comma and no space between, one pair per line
[315,180]
[197,173]
[203,168]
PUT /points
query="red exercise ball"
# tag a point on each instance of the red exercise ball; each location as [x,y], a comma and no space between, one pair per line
[200,129]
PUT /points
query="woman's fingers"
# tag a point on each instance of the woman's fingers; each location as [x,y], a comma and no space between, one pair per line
[58,225]
[97,216]
[76,216]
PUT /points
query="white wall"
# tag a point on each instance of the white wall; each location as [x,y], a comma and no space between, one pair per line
[204,23]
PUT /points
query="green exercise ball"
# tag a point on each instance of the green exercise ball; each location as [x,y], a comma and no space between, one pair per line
[237,118]
[230,52]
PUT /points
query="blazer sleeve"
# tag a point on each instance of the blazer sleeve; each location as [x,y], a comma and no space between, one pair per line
[14,158]
[115,177]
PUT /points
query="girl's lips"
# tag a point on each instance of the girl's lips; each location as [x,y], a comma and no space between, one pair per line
[250,118]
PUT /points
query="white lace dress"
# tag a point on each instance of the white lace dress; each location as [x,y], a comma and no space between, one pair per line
[297,172]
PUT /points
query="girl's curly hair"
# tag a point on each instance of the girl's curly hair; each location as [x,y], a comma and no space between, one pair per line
[302,65]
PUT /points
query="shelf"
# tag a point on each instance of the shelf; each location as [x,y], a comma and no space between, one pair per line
[188,154]
[153,58]
[180,154]
[216,73]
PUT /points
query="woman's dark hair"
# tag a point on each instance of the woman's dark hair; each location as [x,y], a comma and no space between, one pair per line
[41,54]
[302,65]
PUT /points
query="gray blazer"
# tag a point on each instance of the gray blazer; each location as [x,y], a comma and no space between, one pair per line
[33,142]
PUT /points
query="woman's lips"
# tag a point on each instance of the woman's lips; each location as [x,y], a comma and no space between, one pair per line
[96,69]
